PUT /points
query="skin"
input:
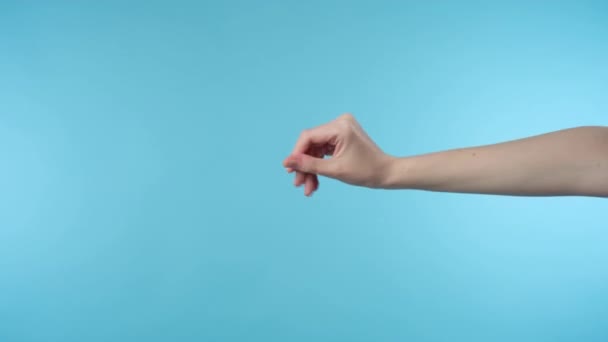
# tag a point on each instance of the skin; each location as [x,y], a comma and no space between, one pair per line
[569,162]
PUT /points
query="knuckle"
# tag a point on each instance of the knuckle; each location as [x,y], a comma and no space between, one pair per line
[347,117]
[343,123]
[346,127]
[305,133]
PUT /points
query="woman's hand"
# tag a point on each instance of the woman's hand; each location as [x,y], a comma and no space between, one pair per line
[354,158]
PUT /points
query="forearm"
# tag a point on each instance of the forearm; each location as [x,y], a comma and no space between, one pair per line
[567,162]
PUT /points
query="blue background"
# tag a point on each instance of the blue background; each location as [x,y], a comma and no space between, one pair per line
[142,196]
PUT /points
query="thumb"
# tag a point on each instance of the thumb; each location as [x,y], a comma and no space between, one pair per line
[309,164]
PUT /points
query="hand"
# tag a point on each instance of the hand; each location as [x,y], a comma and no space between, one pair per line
[355,158]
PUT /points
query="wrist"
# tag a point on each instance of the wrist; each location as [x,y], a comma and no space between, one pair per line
[398,173]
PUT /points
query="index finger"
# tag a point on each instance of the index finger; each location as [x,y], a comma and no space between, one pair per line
[318,135]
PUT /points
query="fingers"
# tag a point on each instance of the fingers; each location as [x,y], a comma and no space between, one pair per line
[300,178]
[319,135]
[312,184]
[310,181]
[315,151]
[307,156]
[309,185]
[309,164]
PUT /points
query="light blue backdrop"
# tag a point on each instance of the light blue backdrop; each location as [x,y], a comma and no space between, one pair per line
[142,196]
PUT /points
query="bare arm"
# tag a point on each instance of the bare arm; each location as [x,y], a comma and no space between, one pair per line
[567,162]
